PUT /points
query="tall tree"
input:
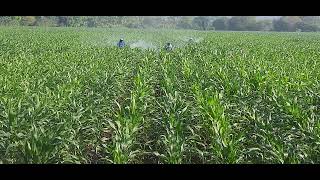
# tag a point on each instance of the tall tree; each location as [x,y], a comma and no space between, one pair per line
[201,22]
[286,23]
[28,20]
[185,22]
[242,23]
[221,23]
[312,20]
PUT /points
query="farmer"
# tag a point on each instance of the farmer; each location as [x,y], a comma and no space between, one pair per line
[168,47]
[121,43]
[191,41]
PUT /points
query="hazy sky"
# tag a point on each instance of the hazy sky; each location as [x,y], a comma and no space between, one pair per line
[267,17]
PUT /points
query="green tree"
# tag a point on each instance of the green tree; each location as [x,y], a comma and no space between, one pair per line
[149,21]
[242,23]
[185,22]
[5,20]
[311,20]
[46,21]
[28,20]
[286,23]
[263,25]
[221,23]
[63,20]
[201,22]
[305,27]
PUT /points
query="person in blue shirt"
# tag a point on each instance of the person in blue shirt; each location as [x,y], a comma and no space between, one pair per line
[121,43]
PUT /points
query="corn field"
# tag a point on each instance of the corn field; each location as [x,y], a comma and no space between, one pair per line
[69,95]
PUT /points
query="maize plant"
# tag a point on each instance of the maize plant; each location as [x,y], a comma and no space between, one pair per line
[69,95]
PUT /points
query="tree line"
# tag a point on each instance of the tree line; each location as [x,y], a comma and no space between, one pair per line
[235,23]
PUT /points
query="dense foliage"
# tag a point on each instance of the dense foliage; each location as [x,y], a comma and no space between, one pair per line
[232,23]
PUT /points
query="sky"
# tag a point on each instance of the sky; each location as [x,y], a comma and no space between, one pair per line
[267,17]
